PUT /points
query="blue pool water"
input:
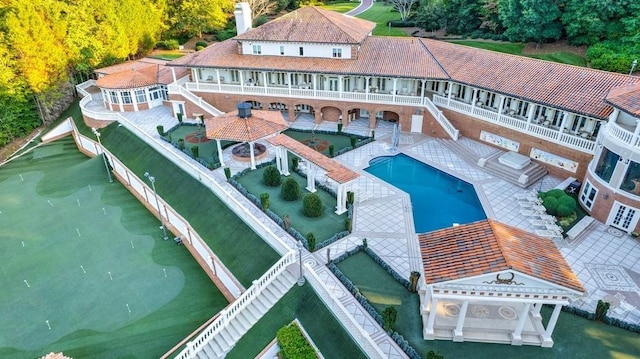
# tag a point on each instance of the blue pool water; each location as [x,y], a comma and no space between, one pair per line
[438,199]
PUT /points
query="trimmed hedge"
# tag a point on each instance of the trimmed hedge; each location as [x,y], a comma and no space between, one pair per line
[293,344]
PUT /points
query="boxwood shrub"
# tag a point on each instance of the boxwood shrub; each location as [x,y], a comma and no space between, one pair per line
[290,190]
[312,205]
[271,176]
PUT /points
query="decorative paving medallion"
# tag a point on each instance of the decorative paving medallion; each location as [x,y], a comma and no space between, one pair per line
[480,311]
[615,232]
[610,277]
[507,313]
[452,310]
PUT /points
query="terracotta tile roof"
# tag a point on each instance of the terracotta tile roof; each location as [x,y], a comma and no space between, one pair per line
[233,128]
[488,246]
[378,57]
[312,24]
[135,74]
[577,89]
[626,98]
[335,170]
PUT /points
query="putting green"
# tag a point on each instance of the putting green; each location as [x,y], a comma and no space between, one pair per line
[70,274]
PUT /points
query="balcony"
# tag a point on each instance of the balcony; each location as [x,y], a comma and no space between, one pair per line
[304,91]
[581,141]
[623,135]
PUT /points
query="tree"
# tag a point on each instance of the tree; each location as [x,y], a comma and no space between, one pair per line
[404,7]
[461,16]
[490,16]
[262,7]
[531,20]
[430,15]
[198,16]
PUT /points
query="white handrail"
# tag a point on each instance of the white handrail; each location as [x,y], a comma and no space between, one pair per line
[195,99]
[230,312]
[442,119]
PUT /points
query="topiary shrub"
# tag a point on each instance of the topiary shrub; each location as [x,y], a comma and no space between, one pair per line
[171,44]
[180,116]
[294,163]
[264,201]
[271,176]
[181,143]
[566,205]
[312,205]
[198,48]
[311,241]
[353,140]
[347,224]
[227,173]
[160,129]
[202,44]
[601,310]
[195,151]
[558,203]
[290,190]
[389,316]
[332,151]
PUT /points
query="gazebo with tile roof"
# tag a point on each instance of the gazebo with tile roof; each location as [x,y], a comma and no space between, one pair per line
[335,171]
[244,125]
[487,281]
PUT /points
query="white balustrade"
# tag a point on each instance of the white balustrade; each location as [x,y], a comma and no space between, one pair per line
[359,335]
[619,133]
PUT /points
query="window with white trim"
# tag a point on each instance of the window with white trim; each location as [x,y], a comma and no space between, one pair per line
[588,195]
[235,76]
[257,50]
[114,96]
[140,96]
[126,97]
[337,52]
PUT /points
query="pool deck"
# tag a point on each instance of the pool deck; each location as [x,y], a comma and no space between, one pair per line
[602,257]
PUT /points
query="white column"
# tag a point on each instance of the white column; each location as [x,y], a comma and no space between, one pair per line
[341,197]
[428,331]
[218,79]
[535,312]
[264,81]
[366,90]
[395,86]
[636,133]
[279,159]
[311,175]
[289,82]
[147,94]
[422,91]
[284,155]
[516,336]
[501,106]
[473,99]
[315,86]
[241,81]
[450,93]
[563,124]
[457,333]
[253,157]
[220,152]
[340,86]
[532,111]
[173,73]
[134,100]
[547,342]
[195,73]
[119,94]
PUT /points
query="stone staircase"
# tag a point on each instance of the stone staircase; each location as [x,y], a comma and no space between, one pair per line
[240,324]
[524,177]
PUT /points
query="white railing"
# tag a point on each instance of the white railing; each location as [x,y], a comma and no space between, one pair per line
[359,335]
[620,134]
[195,99]
[230,312]
[572,141]
[82,88]
[442,120]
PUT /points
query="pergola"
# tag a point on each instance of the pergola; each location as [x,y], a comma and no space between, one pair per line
[335,171]
[487,282]
[244,125]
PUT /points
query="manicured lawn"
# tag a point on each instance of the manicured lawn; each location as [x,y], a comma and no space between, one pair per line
[341,7]
[339,141]
[563,57]
[168,56]
[59,213]
[239,248]
[575,337]
[194,136]
[382,14]
[302,303]
[322,227]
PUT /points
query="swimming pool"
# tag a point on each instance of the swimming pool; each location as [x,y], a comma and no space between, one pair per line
[438,199]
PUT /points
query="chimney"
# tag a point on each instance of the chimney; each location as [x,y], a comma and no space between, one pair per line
[242,13]
[244,110]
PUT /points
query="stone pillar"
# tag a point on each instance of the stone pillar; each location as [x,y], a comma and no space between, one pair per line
[431,321]
[516,336]
[315,84]
[340,86]
[241,78]
[218,80]
[289,82]
[284,157]
[457,333]
[220,152]
[279,159]
[535,312]
[395,87]
[291,113]
[473,99]
[317,117]
[173,73]
[547,342]
[253,157]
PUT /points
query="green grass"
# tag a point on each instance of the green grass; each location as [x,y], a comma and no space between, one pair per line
[323,227]
[563,57]
[168,56]
[574,336]
[382,14]
[207,151]
[340,7]
[63,176]
[239,248]
[339,142]
[300,302]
